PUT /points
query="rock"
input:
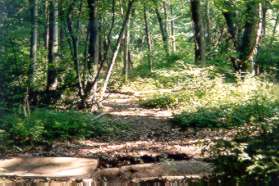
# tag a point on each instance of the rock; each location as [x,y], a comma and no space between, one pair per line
[47,167]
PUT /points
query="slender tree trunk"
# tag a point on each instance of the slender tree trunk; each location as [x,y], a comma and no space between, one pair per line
[200,46]
[110,30]
[126,52]
[52,81]
[230,17]
[264,17]
[93,35]
[274,30]
[173,39]
[93,51]
[207,23]
[148,39]
[46,34]
[62,26]
[116,50]
[90,85]
[166,16]
[75,44]
[34,39]
[163,30]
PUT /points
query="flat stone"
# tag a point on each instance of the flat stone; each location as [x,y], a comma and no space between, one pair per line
[48,167]
[172,170]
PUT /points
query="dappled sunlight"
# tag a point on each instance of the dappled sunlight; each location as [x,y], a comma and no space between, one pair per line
[124,105]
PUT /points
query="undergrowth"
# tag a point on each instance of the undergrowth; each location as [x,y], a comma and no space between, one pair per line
[250,155]
[44,125]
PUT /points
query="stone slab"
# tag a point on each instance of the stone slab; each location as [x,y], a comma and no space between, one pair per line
[47,167]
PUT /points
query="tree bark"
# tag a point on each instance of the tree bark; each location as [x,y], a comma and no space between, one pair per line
[148,39]
[173,39]
[207,23]
[200,46]
[75,44]
[34,39]
[230,17]
[93,35]
[251,36]
[90,92]
[163,29]
[116,50]
[274,30]
[46,34]
[52,81]
[126,52]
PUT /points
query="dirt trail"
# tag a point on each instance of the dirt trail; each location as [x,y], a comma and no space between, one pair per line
[150,139]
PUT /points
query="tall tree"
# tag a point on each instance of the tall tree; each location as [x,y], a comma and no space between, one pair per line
[93,33]
[52,80]
[93,50]
[163,28]
[126,51]
[148,38]
[34,39]
[252,34]
[200,46]
[46,27]
[74,42]
[172,28]
[116,49]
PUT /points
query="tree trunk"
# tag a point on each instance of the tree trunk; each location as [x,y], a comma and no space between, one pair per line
[208,24]
[116,50]
[75,44]
[62,26]
[126,52]
[34,39]
[200,46]
[90,94]
[46,34]
[251,36]
[173,39]
[148,39]
[93,35]
[274,30]
[230,17]
[52,81]
[163,30]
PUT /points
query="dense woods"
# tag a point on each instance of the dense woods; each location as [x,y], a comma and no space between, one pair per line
[76,44]
[208,63]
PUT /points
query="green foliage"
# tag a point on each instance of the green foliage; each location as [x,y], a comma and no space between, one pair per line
[252,155]
[47,125]
[255,110]
[160,101]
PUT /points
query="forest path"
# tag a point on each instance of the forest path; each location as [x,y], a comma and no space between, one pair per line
[125,107]
[151,135]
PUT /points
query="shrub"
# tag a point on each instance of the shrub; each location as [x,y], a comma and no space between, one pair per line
[255,110]
[253,155]
[48,125]
[160,101]
[200,119]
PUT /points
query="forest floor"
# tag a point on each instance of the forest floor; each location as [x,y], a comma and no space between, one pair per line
[151,136]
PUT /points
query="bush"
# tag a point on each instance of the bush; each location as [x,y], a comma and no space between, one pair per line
[47,125]
[160,101]
[255,110]
[250,155]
